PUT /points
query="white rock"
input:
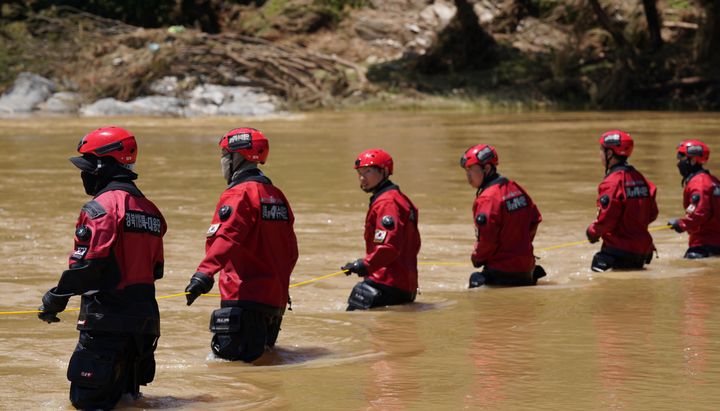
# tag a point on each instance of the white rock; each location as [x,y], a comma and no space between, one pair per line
[26,93]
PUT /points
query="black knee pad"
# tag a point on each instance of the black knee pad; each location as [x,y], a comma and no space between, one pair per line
[693,253]
[273,330]
[477,279]
[240,334]
[363,296]
[602,262]
[145,362]
[97,371]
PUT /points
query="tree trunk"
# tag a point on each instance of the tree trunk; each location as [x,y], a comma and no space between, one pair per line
[607,24]
[708,37]
[613,90]
[463,44]
[654,24]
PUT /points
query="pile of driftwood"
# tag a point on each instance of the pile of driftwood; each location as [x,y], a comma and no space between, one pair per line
[113,59]
[303,77]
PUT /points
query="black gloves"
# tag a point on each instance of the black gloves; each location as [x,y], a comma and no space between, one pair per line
[357,267]
[675,223]
[53,303]
[199,284]
[477,264]
[593,239]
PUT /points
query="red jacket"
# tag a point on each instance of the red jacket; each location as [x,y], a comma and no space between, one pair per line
[701,199]
[626,207]
[392,239]
[251,242]
[121,223]
[506,220]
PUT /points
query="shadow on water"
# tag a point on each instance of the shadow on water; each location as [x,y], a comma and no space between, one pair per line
[164,402]
[414,307]
[292,356]
[280,356]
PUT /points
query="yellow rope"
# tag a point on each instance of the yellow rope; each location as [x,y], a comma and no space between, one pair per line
[322,277]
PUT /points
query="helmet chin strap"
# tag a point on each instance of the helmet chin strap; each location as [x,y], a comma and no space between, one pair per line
[607,160]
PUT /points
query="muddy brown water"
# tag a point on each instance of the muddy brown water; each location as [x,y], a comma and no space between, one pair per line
[634,340]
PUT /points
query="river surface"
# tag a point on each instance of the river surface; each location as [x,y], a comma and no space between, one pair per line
[632,340]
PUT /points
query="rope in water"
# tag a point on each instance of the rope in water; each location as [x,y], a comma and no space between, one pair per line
[322,277]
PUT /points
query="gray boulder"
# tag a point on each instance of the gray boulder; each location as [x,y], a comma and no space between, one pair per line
[141,106]
[158,106]
[26,93]
[107,107]
[63,102]
[211,99]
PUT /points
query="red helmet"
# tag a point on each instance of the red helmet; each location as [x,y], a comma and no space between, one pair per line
[480,154]
[110,141]
[619,142]
[694,149]
[250,143]
[375,158]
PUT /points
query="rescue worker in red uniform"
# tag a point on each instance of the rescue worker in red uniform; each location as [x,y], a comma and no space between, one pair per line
[252,244]
[506,220]
[117,258]
[701,199]
[392,239]
[626,207]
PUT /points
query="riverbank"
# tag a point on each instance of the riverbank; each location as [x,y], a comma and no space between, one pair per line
[274,56]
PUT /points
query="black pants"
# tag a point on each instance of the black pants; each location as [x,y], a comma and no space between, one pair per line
[243,333]
[607,259]
[490,276]
[702,251]
[368,294]
[105,365]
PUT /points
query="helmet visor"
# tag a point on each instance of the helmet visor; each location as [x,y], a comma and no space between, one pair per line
[84,164]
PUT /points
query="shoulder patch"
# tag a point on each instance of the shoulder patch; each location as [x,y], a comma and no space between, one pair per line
[695,198]
[79,252]
[481,219]
[212,230]
[224,212]
[94,209]
[604,200]
[380,236]
[388,222]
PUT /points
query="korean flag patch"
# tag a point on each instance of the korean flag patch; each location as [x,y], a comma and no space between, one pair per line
[380,236]
[212,230]
[79,253]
